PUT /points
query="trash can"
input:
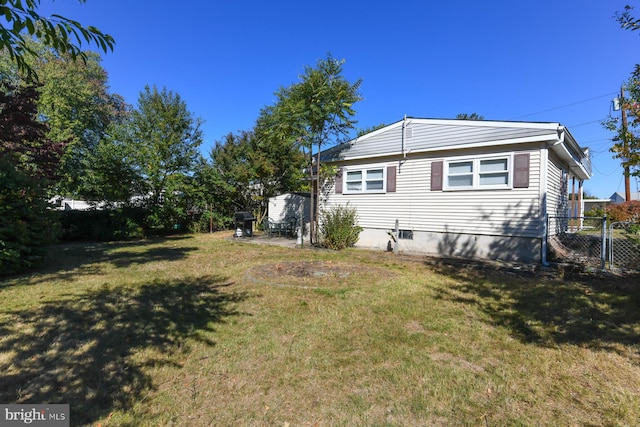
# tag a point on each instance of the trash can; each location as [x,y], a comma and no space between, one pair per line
[244,221]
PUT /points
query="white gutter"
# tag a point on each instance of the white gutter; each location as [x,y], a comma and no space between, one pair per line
[560,148]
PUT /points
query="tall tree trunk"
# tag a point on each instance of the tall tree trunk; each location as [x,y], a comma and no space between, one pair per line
[317,207]
[312,199]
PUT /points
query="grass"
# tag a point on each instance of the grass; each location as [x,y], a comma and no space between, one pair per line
[200,330]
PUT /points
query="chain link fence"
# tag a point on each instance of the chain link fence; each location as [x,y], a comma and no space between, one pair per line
[624,245]
[578,240]
[591,242]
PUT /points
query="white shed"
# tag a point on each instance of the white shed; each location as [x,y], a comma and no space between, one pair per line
[290,205]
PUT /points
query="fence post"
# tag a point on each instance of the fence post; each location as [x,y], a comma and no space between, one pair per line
[545,241]
[603,248]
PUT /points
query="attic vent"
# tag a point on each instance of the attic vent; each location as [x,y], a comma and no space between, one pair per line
[408,132]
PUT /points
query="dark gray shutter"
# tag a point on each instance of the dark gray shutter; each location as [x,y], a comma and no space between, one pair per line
[391,179]
[339,181]
[436,175]
[521,170]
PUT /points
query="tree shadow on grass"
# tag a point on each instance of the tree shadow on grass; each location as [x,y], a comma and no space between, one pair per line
[593,310]
[66,260]
[79,351]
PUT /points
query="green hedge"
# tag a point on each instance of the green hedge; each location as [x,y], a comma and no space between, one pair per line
[26,223]
[103,225]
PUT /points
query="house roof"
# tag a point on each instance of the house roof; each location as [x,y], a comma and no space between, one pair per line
[619,197]
[414,135]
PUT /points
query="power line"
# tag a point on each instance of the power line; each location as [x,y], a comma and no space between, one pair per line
[591,150]
[565,106]
[588,141]
[605,174]
[587,123]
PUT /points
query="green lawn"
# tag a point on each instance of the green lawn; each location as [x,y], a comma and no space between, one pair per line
[203,330]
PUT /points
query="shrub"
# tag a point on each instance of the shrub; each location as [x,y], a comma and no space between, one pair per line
[103,225]
[339,227]
[26,223]
[201,223]
[627,211]
[596,212]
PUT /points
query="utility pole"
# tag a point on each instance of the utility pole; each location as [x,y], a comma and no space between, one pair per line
[625,149]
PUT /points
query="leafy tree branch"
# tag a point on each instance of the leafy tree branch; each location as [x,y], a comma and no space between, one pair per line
[64,35]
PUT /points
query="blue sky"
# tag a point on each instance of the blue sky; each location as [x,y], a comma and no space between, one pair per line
[545,60]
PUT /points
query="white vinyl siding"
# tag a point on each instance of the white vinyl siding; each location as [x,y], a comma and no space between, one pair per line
[433,135]
[490,212]
[556,188]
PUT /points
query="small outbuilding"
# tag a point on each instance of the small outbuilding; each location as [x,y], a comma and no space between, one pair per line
[291,205]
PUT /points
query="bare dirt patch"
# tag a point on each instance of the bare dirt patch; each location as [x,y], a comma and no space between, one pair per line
[317,274]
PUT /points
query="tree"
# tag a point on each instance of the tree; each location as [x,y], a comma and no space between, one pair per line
[28,164]
[111,176]
[234,174]
[626,142]
[74,102]
[159,144]
[61,34]
[279,163]
[317,111]
[626,20]
[472,116]
[248,168]
[23,139]
[370,129]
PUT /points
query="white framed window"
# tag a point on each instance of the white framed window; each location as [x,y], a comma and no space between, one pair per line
[487,172]
[365,180]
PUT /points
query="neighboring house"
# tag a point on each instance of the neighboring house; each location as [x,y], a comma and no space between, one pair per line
[471,189]
[69,204]
[619,197]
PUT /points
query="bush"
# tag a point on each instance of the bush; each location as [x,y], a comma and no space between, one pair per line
[596,212]
[339,227]
[627,211]
[103,225]
[26,223]
[201,223]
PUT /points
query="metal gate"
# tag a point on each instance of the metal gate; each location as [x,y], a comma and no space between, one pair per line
[624,245]
[579,240]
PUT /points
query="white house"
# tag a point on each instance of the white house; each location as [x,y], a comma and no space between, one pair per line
[471,189]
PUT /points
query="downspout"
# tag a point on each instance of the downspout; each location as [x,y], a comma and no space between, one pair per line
[544,214]
[404,126]
[543,206]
